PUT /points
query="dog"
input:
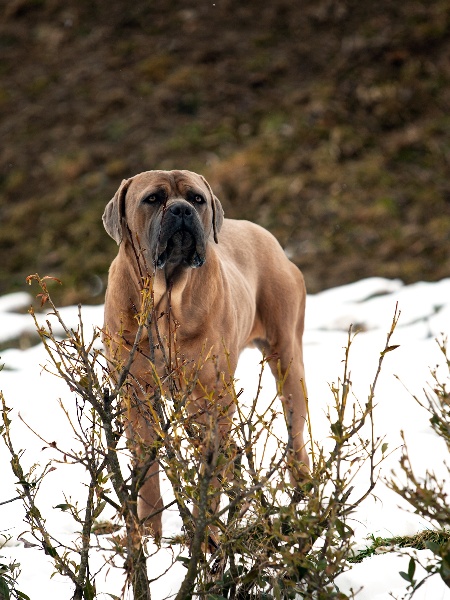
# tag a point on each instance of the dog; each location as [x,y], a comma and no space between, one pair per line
[229,285]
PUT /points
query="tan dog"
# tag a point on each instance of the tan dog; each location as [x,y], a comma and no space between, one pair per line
[231,286]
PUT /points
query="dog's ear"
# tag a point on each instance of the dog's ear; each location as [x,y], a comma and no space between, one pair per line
[218,215]
[115,212]
[217,211]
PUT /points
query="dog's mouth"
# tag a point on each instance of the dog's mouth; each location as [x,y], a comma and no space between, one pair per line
[180,248]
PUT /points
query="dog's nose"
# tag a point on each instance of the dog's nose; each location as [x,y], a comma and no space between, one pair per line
[181,210]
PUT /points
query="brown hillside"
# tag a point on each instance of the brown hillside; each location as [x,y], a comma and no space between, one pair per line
[325,121]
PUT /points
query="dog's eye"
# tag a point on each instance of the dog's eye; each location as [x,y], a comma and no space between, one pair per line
[199,199]
[150,199]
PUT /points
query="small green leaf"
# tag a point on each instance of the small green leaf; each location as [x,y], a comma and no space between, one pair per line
[336,428]
[251,576]
[50,551]
[63,506]
[409,576]
[184,559]
[389,349]
[4,590]
[384,447]
[22,595]
[89,591]
[411,568]
[343,529]
[99,509]
[34,512]
[433,546]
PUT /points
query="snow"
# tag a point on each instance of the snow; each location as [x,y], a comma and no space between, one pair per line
[369,306]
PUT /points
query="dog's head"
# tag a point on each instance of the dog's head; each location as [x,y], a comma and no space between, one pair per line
[174,214]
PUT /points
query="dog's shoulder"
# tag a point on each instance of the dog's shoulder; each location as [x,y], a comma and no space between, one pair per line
[240,228]
[254,248]
[248,237]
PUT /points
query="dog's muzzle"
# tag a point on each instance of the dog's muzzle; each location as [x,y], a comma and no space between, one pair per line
[181,239]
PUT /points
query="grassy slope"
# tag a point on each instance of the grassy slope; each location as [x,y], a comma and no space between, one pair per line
[325,121]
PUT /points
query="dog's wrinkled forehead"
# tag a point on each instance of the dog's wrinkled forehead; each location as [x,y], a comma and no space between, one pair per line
[127,203]
[173,183]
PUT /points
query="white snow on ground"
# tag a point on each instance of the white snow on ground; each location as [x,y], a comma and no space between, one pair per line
[367,304]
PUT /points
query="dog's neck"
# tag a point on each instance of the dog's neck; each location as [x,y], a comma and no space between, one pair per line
[182,286]
[177,286]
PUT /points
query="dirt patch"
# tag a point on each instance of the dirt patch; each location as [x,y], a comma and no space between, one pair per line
[326,122]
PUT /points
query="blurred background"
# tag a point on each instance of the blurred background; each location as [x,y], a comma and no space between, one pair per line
[325,121]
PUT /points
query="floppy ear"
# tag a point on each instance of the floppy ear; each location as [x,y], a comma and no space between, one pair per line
[115,211]
[217,216]
[217,211]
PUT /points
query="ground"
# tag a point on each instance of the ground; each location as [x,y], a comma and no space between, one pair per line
[324,121]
